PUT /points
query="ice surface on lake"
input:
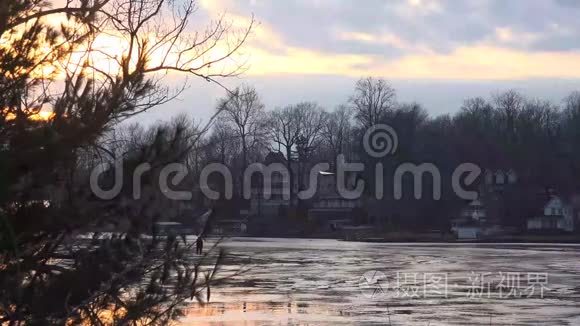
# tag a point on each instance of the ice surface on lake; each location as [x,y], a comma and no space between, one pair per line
[321,282]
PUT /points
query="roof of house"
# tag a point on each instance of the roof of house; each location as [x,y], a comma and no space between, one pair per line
[275,157]
[543,199]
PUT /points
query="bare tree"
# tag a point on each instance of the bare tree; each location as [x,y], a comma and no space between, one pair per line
[542,115]
[572,100]
[509,104]
[571,114]
[476,105]
[296,130]
[285,129]
[478,117]
[223,143]
[371,100]
[244,112]
[336,131]
[311,119]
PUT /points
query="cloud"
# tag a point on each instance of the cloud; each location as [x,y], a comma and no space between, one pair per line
[412,38]
[507,36]
[465,63]
[388,39]
[485,63]
[424,7]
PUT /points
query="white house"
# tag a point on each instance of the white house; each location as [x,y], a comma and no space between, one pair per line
[474,224]
[475,211]
[469,225]
[558,215]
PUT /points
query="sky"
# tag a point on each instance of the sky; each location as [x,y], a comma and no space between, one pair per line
[434,52]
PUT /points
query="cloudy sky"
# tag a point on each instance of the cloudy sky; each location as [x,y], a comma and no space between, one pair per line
[435,52]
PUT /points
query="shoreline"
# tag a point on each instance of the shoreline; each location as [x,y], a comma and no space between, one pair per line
[418,238]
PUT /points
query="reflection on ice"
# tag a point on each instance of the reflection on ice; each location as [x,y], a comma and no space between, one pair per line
[318,282]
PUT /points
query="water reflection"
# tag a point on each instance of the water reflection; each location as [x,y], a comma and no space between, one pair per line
[317,282]
[260,313]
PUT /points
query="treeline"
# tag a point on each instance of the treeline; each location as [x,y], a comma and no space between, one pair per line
[535,138]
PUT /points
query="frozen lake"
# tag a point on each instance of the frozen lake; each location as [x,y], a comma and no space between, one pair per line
[329,282]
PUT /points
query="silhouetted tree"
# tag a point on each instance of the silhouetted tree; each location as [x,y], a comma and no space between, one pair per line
[60,92]
[337,130]
[244,112]
[371,101]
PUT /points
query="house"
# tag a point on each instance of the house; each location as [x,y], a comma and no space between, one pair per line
[500,178]
[557,215]
[328,210]
[333,211]
[277,204]
[474,223]
[469,225]
[230,227]
[170,228]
